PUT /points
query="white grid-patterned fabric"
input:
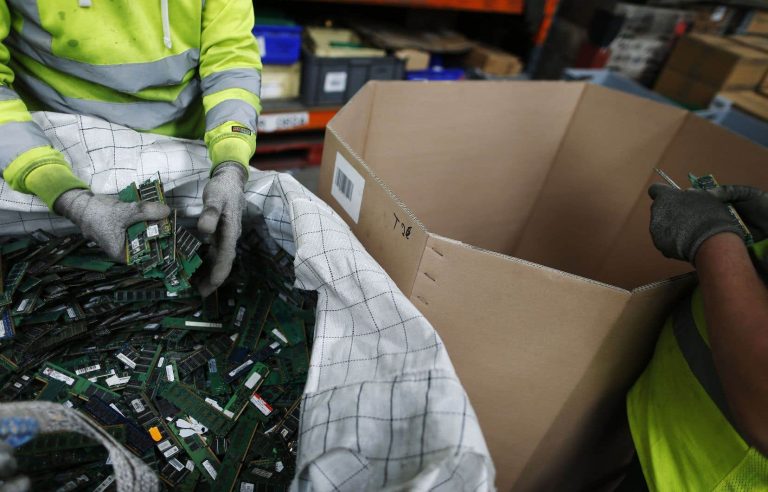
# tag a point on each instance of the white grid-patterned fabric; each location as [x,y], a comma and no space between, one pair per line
[382,407]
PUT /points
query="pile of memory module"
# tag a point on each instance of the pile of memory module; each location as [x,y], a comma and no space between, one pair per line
[205,391]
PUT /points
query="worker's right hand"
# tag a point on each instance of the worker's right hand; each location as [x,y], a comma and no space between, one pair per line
[104,219]
[681,220]
[751,204]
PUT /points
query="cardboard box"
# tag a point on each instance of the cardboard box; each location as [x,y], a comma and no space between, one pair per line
[684,89]
[280,81]
[750,102]
[719,62]
[516,219]
[756,22]
[493,61]
[712,19]
[759,43]
[414,59]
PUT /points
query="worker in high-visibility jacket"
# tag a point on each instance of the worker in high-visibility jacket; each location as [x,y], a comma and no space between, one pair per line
[699,412]
[187,68]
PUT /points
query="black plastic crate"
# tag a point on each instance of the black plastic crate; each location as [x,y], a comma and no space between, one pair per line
[333,81]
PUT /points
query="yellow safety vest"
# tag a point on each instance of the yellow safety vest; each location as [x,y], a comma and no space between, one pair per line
[681,425]
[186,68]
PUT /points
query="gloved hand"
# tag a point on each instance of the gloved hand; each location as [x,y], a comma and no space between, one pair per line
[223,203]
[681,220]
[751,204]
[9,481]
[104,219]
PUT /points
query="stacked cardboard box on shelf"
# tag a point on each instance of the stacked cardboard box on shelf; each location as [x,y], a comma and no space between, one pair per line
[756,22]
[750,102]
[712,19]
[493,61]
[702,65]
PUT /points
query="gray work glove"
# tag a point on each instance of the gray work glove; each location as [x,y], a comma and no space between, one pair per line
[223,204]
[681,220]
[104,219]
[751,204]
[9,480]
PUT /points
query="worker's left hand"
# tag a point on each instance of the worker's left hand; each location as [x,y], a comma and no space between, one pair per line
[681,220]
[223,204]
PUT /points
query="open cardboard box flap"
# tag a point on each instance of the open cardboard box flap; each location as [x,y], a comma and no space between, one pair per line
[515,216]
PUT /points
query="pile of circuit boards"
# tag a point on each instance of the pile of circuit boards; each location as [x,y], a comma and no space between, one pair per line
[206,392]
[160,249]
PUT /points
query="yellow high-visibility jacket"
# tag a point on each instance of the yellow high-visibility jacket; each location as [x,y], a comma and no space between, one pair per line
[187,68]
[681,424]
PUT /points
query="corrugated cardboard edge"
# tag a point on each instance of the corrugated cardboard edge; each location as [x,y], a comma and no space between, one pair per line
[599,397]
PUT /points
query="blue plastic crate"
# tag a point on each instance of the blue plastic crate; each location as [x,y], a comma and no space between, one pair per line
[436,73]
[279,44]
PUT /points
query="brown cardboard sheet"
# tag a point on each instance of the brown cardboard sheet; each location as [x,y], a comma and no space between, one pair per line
[599,171]
[467,182]
[546,341]
[519,335]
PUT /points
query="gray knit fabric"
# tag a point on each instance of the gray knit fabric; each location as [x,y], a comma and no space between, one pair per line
[223,204]
[131,474]
[104,218]
[751,204]
[681,220]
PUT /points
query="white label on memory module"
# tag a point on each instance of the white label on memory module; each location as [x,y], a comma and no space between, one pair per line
[85,370]
[252,380]
[210,469]
[262,405]
[125,360]
[54,374]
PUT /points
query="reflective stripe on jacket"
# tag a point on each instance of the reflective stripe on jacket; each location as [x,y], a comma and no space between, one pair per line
[187,68]
[680,421]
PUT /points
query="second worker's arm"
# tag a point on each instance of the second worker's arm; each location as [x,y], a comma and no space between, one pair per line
[736,310]
[695,225]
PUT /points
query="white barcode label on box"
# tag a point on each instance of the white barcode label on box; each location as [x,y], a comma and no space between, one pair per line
[347,187]
[262,43]
[282,121]
[335,82]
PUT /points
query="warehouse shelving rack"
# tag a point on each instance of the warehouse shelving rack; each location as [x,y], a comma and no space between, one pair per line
[297,129]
